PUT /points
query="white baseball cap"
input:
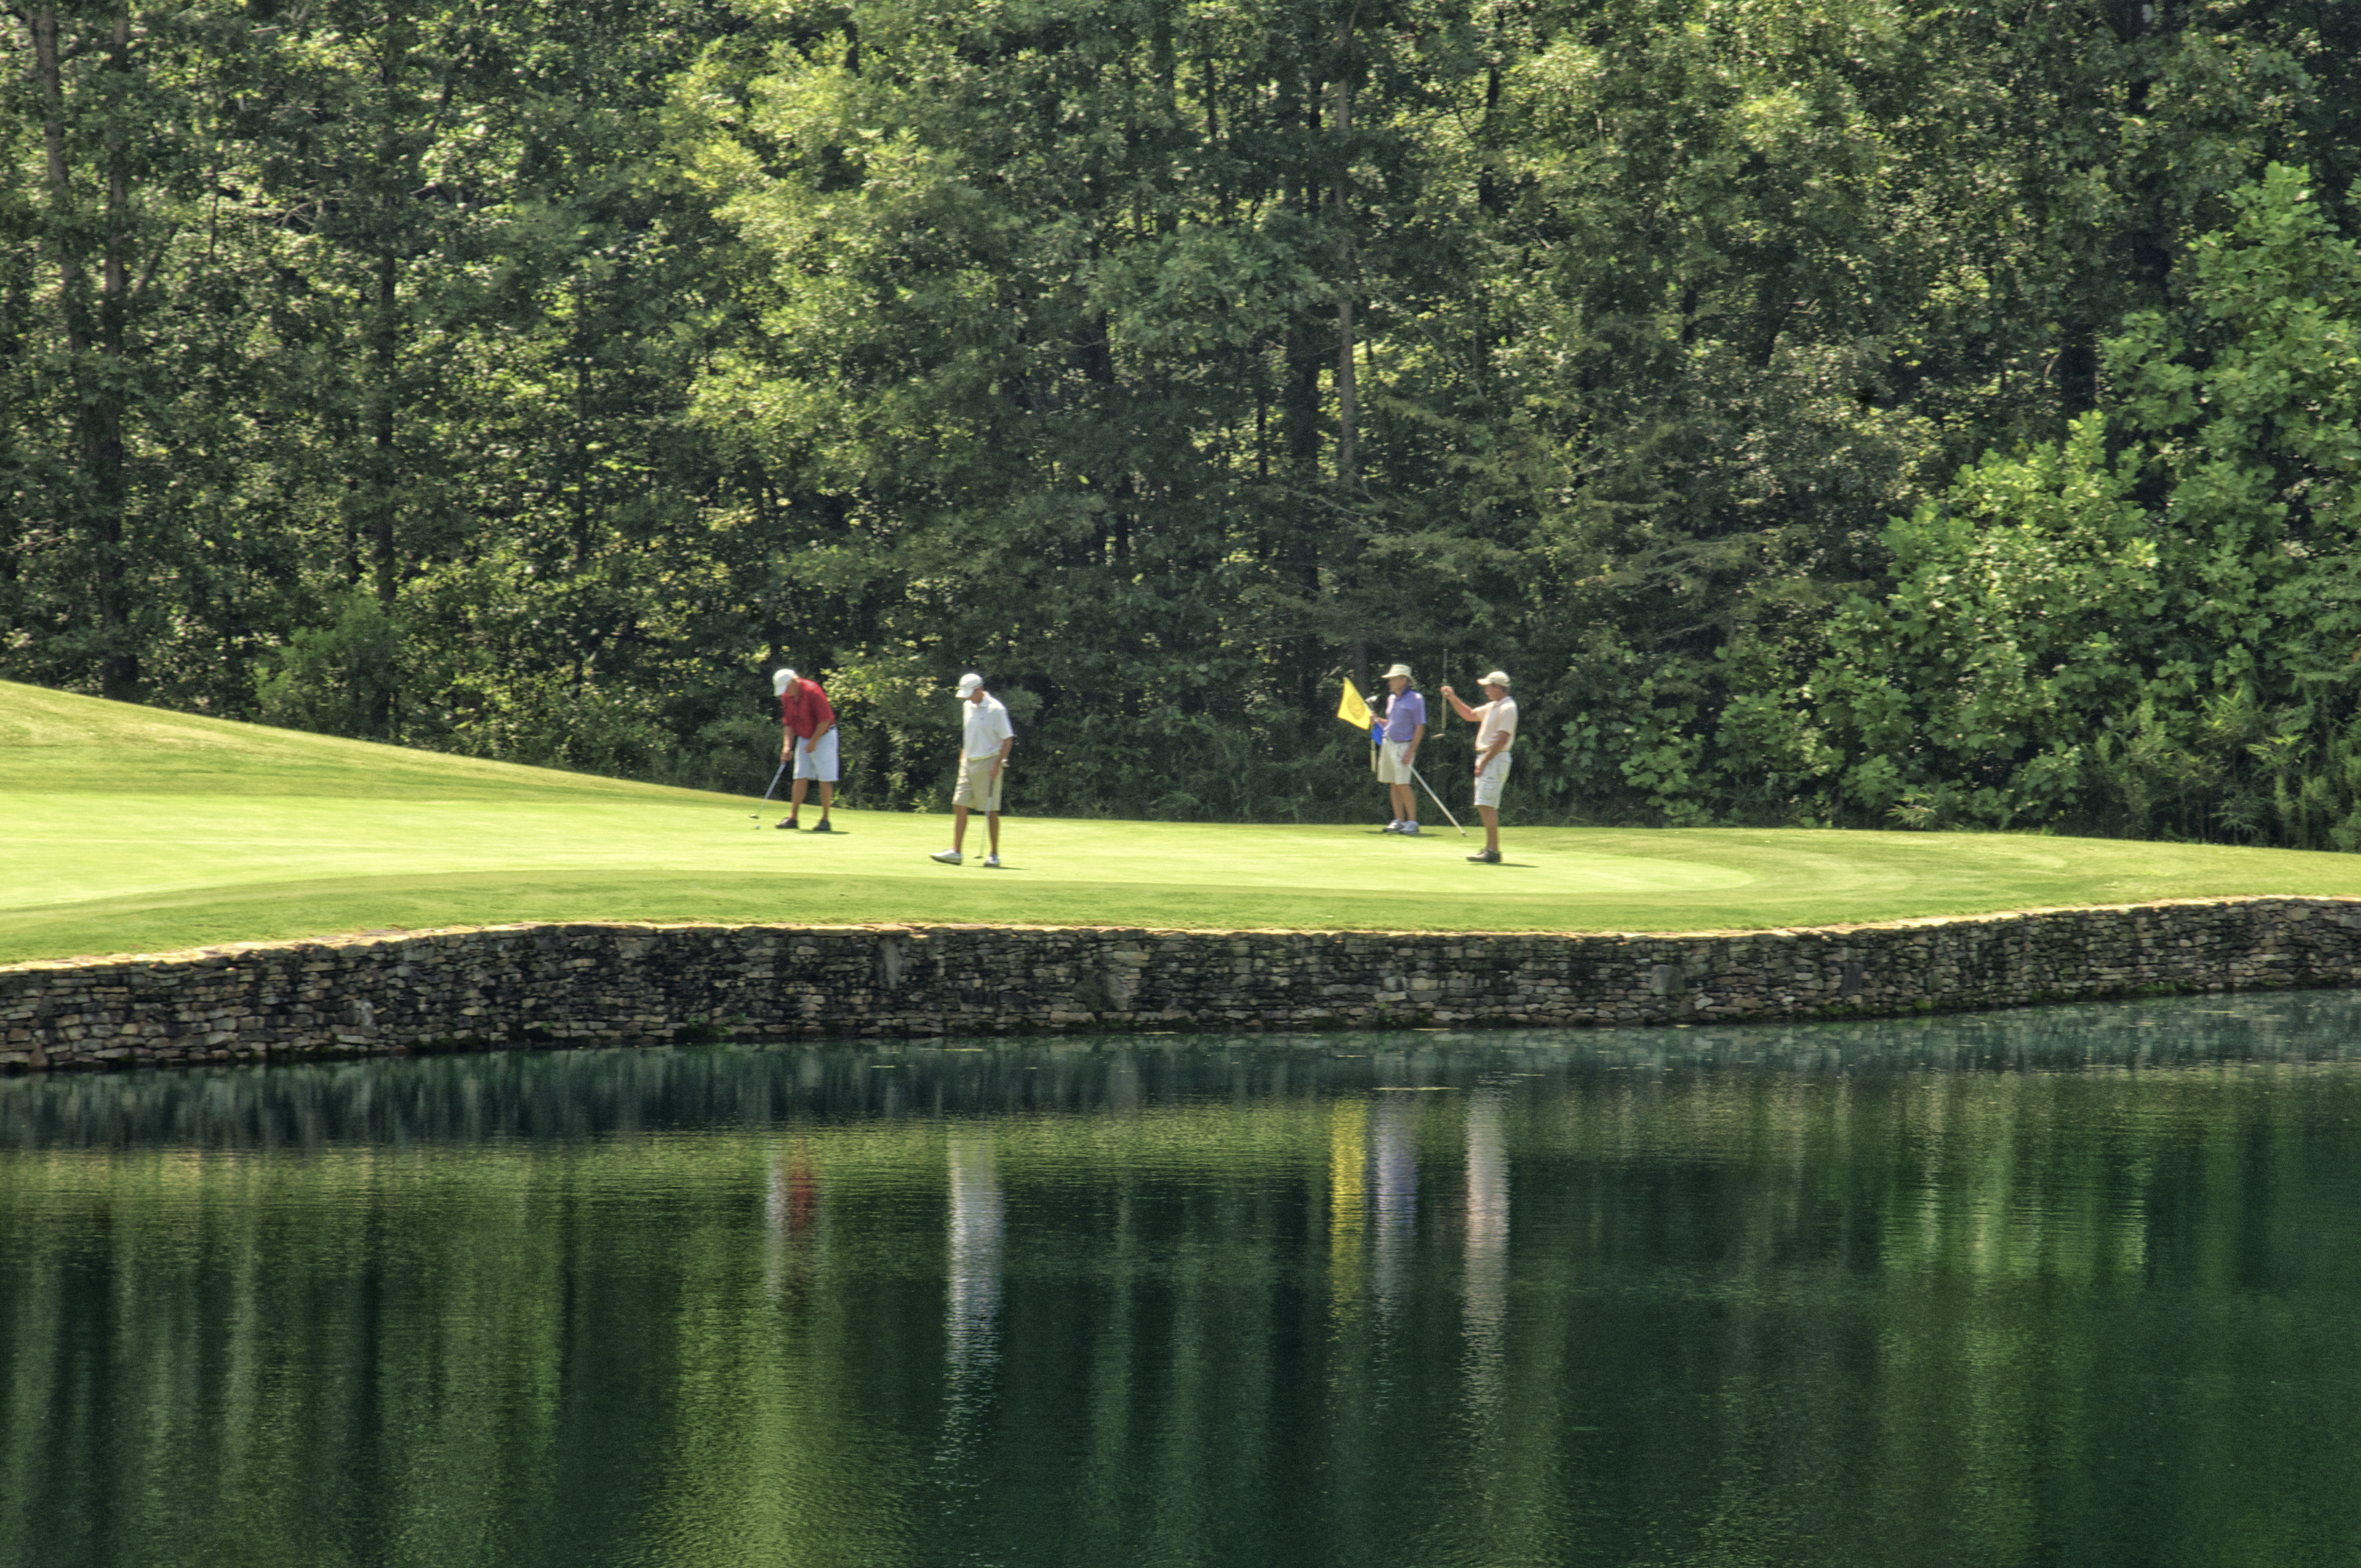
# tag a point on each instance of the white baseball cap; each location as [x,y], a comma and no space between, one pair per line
[1497,678]
[780,681]
[969,682]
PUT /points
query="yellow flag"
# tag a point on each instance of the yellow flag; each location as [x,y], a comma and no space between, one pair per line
[1352,710]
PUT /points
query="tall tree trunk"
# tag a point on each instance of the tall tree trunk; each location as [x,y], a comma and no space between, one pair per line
[384,353]
[384,349]
[381,500]
[2077,369]
[119,667]
[53,134]
[581,455]
[2146,249]
[1488,181]
[1298,390]
[1347,410]
[98,407]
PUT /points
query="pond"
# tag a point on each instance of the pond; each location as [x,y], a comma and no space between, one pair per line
[2079,1287]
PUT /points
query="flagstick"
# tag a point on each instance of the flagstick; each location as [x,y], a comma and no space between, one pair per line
[1438,802]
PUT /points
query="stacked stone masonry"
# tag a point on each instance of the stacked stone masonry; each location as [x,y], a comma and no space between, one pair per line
[656,984]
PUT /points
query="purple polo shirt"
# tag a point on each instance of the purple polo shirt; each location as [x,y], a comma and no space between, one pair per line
[1404,715]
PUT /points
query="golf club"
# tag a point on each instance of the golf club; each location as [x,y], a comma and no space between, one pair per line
[1438,801]
[767,788]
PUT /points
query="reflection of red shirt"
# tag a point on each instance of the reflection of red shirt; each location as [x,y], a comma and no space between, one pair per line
[803,708]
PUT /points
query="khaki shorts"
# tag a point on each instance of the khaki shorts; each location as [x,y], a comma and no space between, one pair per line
[1393,763]
[977,789]
[1489,781]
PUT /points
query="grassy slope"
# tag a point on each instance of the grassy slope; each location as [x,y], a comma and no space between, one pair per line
[126,829]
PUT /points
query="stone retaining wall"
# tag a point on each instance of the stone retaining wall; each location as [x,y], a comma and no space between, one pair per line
[637,984]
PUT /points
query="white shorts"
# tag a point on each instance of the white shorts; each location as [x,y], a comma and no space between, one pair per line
[1393,763]
[819,762]
[977,789]
[1489,781]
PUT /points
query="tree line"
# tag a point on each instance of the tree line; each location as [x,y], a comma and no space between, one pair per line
[1872,412]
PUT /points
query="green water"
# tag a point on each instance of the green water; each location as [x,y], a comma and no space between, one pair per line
[2079,1287]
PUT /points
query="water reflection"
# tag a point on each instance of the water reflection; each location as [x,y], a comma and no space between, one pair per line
[977,1223]
[1348,1201]
[498,1099]
[2070,1287]
[1393,1186]
[790,1210]
[1485,1290]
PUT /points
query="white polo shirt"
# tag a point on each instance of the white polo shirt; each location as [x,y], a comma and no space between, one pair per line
[1499,718]
[987,726]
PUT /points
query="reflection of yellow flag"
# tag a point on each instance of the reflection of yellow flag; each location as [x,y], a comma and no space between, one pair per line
[1352,710]
[1348,1196]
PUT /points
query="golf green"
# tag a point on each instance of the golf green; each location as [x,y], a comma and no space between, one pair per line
[130,830]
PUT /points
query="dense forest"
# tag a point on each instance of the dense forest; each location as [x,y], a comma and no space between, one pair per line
[1872,412]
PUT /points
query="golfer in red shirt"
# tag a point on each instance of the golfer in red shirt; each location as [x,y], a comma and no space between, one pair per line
[811,740]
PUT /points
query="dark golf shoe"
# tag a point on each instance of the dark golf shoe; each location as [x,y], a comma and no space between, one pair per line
[1486,857]
[787,822]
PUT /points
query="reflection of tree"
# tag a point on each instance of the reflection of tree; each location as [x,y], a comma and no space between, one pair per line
[790,1209]
[1393,1172]
[1348,1201]
[1815,1309]
[972,1330]
[1486,1290]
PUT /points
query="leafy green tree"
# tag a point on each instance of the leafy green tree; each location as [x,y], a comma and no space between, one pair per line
[2163,639]
[1826,255]
[116,127]
[2248,407]
[2024,617]
[1057,362]
[1725,370]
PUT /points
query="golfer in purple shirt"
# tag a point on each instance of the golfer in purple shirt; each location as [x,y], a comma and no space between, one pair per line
[1405,727]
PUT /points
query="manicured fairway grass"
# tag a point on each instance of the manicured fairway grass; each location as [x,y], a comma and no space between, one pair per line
[126,829]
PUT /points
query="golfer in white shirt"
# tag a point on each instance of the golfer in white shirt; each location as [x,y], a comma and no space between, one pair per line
[1496,732]
[984,740]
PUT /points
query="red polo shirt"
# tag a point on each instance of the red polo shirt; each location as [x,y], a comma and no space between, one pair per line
[803,708]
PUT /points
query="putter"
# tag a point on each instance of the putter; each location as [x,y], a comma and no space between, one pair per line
[766,791]
[1438,801]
